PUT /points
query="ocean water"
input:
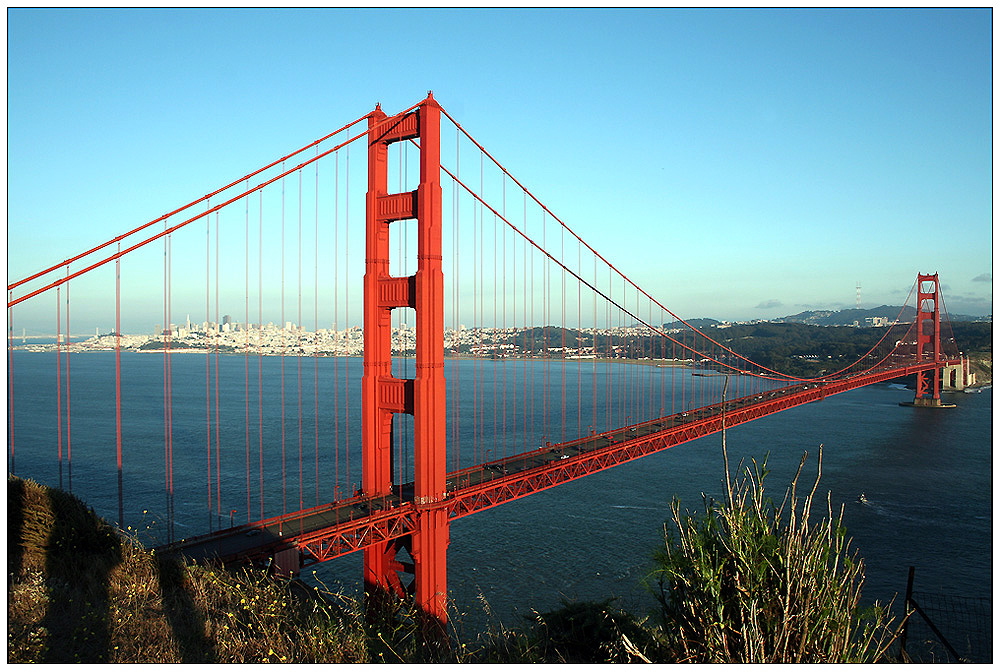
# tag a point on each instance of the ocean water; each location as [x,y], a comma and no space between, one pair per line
[926,474]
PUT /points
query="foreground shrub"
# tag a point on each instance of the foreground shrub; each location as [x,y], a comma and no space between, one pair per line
[749,581]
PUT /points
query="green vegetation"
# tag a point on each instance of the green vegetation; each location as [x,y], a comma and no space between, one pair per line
[749,581]
[745,581]
[158,346]
[798,349]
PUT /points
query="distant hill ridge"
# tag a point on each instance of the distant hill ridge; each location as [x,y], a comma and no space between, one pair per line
[832,318]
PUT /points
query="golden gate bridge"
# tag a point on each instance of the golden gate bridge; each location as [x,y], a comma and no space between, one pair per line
[510,321]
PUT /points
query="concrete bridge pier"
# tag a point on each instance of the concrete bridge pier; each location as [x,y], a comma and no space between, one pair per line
[957,377]
[927,402]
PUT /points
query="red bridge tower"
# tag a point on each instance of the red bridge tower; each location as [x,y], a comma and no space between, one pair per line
[423,397]
[928,341]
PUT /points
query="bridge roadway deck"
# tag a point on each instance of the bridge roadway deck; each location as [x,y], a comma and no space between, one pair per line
[341,527]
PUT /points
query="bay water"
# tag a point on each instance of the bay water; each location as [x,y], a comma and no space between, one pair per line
[926,475]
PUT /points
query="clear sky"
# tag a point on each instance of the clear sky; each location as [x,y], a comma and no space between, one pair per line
[737,164]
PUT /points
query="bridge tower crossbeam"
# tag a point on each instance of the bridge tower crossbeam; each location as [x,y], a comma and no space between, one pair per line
[423,397]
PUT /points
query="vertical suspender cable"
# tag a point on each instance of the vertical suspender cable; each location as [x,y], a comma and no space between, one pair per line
[493,340]
[59,384]
[651,413]
[336,333]
[456,324]
[673,376]
[284,334]
[527,322]
[347,306]
[481,409]
[69,436]
[10,381]
[298,348]
[475,330]
[260,352]
[454,313]
[166,424]
[218,327]
[609,338]
[316,329]
[662,351]
[545,336]
[503,296]
[684,374]
[118,389]
[170,389]
[208,362]
[246,340]
[475,327]
[593,384]
[562,334]
[531,293]
[623,414]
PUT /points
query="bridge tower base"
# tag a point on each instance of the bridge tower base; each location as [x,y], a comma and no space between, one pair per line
[926,402]
[423,397]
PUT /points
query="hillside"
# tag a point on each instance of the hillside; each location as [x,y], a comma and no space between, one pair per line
[847,317]
[79,592]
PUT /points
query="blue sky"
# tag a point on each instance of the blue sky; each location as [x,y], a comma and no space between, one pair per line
[737,164]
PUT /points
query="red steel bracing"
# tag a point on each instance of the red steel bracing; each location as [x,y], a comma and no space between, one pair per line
[377,522]
[383,395]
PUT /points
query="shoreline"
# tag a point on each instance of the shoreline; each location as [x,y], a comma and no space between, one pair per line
[664,363]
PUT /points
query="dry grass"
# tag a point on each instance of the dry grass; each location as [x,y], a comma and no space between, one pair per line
[80,592]
[77,592]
